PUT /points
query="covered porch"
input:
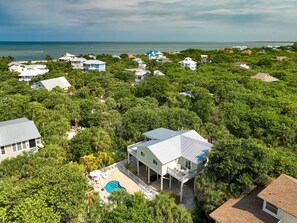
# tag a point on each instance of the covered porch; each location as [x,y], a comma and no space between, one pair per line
[178,181]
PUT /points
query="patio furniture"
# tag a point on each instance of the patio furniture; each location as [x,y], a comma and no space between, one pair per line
[95,173]
[104,175]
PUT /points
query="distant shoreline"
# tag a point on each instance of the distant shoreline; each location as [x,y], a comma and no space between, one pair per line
[37,50]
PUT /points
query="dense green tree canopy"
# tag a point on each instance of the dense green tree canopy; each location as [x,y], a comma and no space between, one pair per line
[251,123]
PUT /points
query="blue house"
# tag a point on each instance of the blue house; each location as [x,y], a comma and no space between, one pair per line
[94,65]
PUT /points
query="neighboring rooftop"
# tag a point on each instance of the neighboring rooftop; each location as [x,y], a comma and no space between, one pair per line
[265,77]
[33,72]
[17,130]
[243,210]
[55,82]
[282,192]
[94,62]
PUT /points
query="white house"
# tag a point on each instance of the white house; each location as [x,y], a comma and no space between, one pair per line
[239,47]
[277,203]
[67,57]
[188,62]
[178,154]
[77,63]
[49,84]
[140,72]
[17,136]
[29,73]
[140,75]
[94,65]
[17,67]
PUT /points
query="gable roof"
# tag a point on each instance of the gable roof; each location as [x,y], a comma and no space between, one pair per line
[55,82]
[282,192]
[242,210]
[17,130]
[168,145]
[265,77]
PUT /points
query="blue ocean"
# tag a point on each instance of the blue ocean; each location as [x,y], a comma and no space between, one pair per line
[38,50]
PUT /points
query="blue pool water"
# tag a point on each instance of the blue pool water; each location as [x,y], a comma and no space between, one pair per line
[113,185]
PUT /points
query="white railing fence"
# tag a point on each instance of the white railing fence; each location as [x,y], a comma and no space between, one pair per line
[148,191]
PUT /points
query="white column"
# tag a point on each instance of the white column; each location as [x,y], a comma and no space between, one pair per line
[170,178]
[148,175]
[194,185]
[138,167]
[128,157]
[161,183]
[181,191]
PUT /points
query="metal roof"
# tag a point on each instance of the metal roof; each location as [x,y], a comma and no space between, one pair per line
[160,133]
[55,82]
[17,130]
[168,145]
[33,72]
[94,62]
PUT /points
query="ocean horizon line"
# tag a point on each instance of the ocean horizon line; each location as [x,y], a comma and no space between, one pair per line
[70,41]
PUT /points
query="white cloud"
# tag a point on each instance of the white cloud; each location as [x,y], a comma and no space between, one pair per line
[141,16]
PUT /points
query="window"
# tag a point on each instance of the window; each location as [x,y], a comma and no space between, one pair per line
[32,143]
[270,207]
[155,162]
[14,148]
[188,164]
[2,150]
[19,146]
[142,153]
[24,145]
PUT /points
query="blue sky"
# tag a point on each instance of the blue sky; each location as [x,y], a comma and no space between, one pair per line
[142,20]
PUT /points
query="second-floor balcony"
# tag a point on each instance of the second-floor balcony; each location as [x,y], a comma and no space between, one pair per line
[182,175]
[132,149]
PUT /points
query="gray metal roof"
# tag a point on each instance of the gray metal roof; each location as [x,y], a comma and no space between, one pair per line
[55,82]
[17,130]
[94,62]
[160,133]
[171,145]
[193,149]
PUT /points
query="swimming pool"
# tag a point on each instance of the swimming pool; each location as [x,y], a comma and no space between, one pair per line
[113,185]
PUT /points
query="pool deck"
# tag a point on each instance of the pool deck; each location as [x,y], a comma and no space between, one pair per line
[125,181]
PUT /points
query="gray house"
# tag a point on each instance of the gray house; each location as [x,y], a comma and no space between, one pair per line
[178,154]
[17,136]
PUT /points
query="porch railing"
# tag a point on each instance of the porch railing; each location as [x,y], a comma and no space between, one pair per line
[181,176]
[132,148]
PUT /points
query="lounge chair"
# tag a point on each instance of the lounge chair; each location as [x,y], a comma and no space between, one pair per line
[104,175]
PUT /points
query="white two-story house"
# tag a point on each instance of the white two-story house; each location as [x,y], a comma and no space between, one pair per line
[189,63]
[17,136]
[177,154]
